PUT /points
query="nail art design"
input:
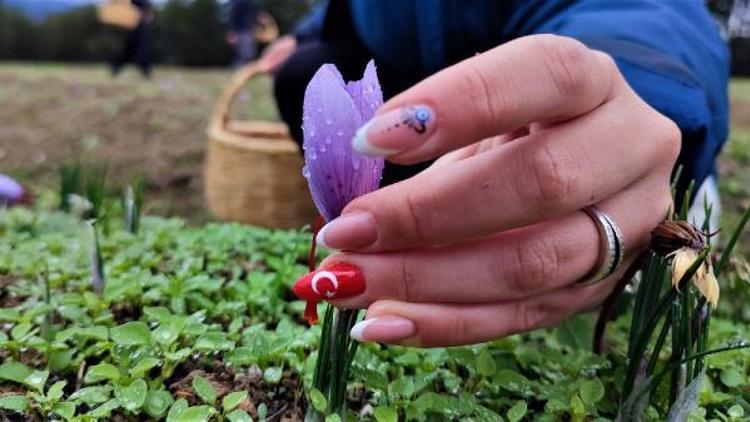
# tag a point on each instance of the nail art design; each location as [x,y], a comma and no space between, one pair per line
[395,131]
[338,281]
[416,118]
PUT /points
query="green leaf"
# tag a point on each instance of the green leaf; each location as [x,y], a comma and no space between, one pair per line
[166,334]
[104,410]
[333,418]
[135,333]
[20,330]
[374,379]
[14,403]
[272,375]
[65,410]
[36,380]
[101,372]
[204,389]
[577,408]
[517,412]
[56,391]
[731,377]
[241,356]
[194,414]
[92,395]
[736,411]
[318,400]
[14,371]
[157,403]
[485,365]
[232,400]
[133,396]
[178,407]
[213,342]
[591,391]
[512,381]
[239,416]
[385,414]
[576,332]
[144,365]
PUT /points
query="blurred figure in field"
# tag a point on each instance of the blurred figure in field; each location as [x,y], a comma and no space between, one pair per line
[242,18]
[137,47]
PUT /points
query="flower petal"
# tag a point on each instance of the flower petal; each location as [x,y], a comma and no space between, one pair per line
[366,93]
[333,111]
[708,286]
[329,121]
[10,190]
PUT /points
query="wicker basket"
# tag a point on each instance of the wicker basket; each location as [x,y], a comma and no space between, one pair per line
[253,168]
[119,13]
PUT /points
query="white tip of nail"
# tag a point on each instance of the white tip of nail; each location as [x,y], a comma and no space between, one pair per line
[320,239]
[358,331]
[363,146]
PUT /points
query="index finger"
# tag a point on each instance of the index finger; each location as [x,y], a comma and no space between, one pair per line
[541,78]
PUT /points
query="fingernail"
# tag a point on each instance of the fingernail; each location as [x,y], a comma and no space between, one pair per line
[348,232]
[338,281]
[387,329]
[395,131]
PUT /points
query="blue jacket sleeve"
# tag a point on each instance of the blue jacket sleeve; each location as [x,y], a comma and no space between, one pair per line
[670,52]
[311,25]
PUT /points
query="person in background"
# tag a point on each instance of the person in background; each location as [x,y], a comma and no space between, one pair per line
[242,18]
[137,47]
[556,126]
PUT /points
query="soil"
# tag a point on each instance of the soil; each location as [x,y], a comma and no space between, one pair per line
[53,115]
[285,401]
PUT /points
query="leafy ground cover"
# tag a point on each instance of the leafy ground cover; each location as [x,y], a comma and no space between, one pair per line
[199,322]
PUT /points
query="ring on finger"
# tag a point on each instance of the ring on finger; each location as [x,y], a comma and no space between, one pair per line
[612,246]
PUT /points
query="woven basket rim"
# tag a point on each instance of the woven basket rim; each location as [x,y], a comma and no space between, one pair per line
[270,143]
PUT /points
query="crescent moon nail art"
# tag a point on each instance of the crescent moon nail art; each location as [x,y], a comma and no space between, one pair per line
[338,281]
[396,131]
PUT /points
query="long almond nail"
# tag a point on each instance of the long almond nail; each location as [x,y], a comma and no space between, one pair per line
[338,281]
[348,232]
[395,131]
[386,329]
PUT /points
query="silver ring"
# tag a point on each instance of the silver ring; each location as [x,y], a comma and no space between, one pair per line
[612,247]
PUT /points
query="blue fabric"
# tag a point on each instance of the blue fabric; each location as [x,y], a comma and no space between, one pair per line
[669,50]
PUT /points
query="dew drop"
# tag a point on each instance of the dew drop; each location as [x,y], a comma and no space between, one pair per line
[322,148]
[306,171]
[340,132]
[329,121]
[319,109]
[355,162]
[329,140]
[311,154]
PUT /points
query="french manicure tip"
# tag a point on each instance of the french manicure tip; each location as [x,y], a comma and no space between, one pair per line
[361,144]
[358,331]
[320,239]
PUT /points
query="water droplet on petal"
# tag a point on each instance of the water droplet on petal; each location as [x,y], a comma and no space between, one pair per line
[306,172]
[329,140]
[322,148]
[329,121]
[310,154]
[340,132]
[319,109]
[355,162]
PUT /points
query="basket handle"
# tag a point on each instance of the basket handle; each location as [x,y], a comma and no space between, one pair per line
[220,116]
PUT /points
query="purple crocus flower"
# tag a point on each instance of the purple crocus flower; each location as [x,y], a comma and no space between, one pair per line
[333,111]
[11,192]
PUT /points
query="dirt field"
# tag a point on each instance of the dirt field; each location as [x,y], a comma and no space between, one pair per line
[53,114]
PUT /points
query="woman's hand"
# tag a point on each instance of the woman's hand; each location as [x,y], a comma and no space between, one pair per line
[276,54]
[490,240]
